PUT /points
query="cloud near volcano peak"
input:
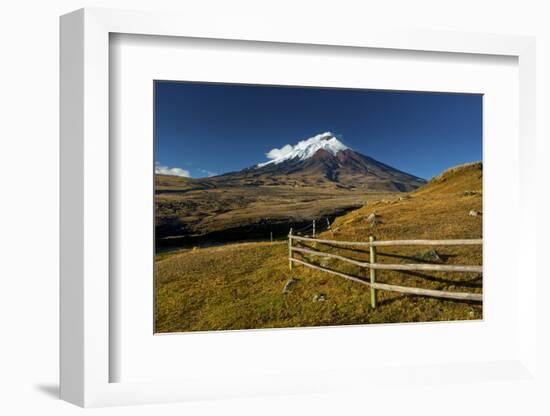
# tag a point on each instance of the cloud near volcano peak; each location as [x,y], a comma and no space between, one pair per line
[277,153]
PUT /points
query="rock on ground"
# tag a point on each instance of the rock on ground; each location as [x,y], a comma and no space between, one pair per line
[289,284]
[430,255]
[319,297]
[373,218]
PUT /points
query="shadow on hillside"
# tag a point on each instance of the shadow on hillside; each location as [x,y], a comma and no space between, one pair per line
[386,302]
[417,258]
[473,282]
[350,249]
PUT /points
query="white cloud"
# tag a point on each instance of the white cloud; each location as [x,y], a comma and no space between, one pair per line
[165,170]
[277,153]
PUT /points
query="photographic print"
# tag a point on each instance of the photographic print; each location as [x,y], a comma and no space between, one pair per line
[288,206]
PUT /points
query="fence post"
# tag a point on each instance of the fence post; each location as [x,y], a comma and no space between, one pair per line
[372,272]
[329,227]
[271,235]
[290,249]
[313,228]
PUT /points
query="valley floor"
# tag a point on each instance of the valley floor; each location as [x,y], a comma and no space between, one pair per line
[241,211]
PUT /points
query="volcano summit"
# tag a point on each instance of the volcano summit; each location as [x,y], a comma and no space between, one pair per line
[323,160]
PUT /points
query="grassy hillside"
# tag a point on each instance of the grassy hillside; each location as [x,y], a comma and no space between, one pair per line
[439,209]
[239,286]
[459,179]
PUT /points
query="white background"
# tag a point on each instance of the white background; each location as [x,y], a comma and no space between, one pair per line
[29,164]
[138,60]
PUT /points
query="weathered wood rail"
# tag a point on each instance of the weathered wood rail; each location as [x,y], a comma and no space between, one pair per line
[470,242]
[372,265]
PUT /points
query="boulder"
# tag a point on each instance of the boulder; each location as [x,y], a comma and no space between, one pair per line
[319,297]
[325,261]
[289,284]
[373,218]
[430,255]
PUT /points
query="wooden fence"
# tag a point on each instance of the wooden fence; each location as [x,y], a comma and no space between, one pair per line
[372,265]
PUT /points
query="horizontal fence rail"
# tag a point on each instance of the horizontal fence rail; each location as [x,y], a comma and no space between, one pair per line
[395,288]
[373,265]
[329,255]
[469,242]
[380,266]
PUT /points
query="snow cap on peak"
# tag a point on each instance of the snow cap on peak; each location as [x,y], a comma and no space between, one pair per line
[305,149]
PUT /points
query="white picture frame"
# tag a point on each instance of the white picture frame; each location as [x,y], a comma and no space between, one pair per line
[85,210]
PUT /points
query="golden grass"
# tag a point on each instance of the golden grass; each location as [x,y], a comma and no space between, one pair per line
[239,286]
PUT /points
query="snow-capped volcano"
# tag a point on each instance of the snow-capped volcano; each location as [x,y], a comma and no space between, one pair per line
[305,149]
[322,161]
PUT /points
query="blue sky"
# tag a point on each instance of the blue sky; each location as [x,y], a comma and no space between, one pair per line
[204,129]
